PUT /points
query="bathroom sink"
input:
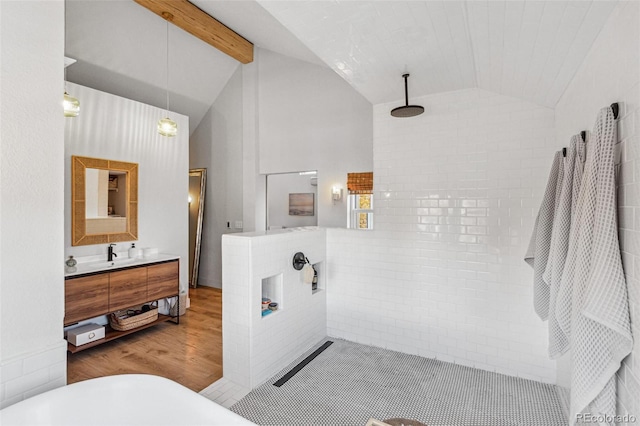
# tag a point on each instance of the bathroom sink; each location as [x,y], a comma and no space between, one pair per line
[113,264]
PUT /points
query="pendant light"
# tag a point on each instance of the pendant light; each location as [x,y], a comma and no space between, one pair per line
[70,104]
[166,126]
[407,110]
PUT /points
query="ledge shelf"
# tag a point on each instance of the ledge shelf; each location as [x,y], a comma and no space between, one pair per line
[111,334]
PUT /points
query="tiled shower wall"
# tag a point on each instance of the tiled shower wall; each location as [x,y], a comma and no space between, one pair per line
[611,73]
[442,275]
[256,347]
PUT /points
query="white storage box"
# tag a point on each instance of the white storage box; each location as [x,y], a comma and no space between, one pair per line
[85,334]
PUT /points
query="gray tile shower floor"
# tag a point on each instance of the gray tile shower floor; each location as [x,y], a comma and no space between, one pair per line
[349,383]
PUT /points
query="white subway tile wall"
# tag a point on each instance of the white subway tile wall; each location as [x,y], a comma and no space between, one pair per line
[236,273]
[457,191]
[611,73]
[255,347]
[31,374]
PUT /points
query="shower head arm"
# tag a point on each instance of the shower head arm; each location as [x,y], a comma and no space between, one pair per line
[407,110]
[406,90]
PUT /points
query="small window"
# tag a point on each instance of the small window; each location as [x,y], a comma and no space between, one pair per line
[360,211]
[360,201]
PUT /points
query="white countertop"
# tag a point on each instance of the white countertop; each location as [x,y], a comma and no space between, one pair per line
[94,264]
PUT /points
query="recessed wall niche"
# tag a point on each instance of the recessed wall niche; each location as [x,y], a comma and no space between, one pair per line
[319,268]
[272,290]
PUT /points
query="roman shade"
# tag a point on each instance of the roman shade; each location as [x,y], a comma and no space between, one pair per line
[360,183]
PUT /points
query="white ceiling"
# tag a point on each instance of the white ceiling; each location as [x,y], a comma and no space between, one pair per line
[121,48]
[526,49]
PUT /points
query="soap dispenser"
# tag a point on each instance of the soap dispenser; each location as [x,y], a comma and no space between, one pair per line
[134,252]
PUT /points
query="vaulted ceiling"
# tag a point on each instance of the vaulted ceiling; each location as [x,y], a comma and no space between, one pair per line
[526,49]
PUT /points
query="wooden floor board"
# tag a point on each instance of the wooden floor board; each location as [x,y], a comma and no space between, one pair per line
[189,353]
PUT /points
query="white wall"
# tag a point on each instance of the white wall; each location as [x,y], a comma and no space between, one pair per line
[254,193]
[442,274]
[611,73]
[311,119]
[216,145]
[32,350]
[116,128]
[277,114]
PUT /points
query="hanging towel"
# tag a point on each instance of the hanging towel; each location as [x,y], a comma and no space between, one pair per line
[601,332]
[307,273]
[564,290]
[546,274]
[538,251]
[558,340]
[578,171]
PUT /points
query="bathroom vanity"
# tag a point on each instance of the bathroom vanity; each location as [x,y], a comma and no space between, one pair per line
[96,289]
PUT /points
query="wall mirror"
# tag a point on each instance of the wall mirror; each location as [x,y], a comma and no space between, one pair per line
[292,200]
[197,187]
[104,201]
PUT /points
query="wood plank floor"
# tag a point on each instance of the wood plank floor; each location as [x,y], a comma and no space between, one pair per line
[189,353]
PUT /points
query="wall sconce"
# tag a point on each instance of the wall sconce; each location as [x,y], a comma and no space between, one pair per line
[336,193]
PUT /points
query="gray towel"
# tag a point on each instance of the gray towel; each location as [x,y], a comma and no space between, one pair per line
[558,339]
[600,326]
[565,289]
[538,252]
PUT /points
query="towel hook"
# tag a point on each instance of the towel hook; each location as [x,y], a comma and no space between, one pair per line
[583,135]
[299,260]
[615,109]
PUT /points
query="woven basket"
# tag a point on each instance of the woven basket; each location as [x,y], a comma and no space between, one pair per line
[120,321]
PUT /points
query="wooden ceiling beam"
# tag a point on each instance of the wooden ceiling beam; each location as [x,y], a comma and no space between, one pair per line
[198,23]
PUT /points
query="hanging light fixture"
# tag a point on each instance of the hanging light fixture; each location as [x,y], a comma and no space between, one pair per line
[70,104]
[407,110]
[166,126]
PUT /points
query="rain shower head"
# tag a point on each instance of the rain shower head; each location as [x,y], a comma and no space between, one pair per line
[407,110]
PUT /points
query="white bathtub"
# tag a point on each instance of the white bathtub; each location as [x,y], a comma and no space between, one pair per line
[128,399]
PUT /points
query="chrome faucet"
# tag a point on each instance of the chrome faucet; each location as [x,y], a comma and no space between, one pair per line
[110,253]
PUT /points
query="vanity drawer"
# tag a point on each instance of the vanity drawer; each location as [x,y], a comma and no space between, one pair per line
[162,280]
[85,297]
[127,288]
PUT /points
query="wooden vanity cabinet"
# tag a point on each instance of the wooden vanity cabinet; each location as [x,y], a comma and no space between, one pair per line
[128,288]
[84,296]
[102,293]
[161,280]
